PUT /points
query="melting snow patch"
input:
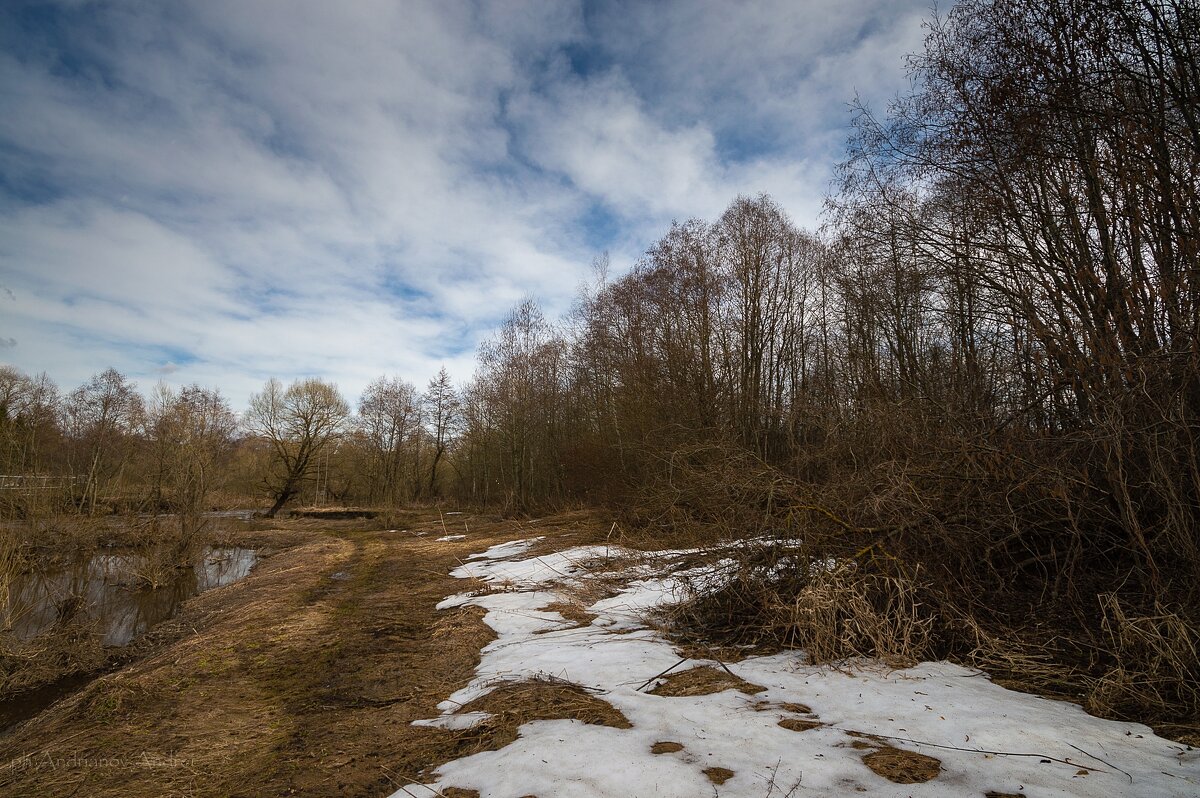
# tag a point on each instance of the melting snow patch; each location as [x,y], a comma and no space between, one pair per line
[503,551]
[775,726]
[448,538]
[463,720]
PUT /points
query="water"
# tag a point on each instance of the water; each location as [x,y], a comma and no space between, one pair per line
[102,586]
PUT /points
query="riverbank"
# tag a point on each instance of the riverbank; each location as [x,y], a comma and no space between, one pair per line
[301,679]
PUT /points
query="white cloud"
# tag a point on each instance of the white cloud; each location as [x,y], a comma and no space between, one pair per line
[222,191]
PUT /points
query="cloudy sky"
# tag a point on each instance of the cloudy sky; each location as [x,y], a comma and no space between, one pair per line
[221,191]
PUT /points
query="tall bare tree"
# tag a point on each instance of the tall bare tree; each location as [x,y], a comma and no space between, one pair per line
[389,417]
[192,434]
[103,416]
[300,423]
[441,415]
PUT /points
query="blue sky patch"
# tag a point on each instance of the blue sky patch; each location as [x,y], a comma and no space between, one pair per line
[209,192]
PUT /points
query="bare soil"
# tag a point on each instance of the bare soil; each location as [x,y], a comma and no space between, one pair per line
[302,679]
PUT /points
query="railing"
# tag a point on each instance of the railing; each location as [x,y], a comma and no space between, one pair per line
[31,482]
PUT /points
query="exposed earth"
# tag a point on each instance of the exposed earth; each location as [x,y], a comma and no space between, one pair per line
[301,679]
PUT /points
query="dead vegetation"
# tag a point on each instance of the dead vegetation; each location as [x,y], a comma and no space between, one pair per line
[902,767]
[52,558]
[785,597]
[572,611]
[719,775]
[977,390]
[703,680]
[886,579]
[72,646]
[293,681]
[513,704]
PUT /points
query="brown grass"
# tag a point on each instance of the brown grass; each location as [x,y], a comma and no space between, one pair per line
[287,682]
[799,724]
[1156,663]
[513,704]
[666,747]
[72,646]
[719,775]
[571,611]
[703,680]
[832,612]
[902,767]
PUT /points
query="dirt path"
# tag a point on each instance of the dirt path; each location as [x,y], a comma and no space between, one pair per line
[302,679]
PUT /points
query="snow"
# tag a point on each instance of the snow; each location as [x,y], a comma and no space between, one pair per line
[449,538]
[463,720]
[504,551]
[986,737]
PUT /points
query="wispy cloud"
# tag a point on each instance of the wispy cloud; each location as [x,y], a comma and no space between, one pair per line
[221,191]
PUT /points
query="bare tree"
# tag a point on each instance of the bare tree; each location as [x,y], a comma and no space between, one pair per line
[299,423]
[192,434]
[389,416]
[102,416]
[441,405]
[29,411]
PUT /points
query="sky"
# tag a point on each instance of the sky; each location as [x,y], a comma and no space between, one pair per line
[224,191]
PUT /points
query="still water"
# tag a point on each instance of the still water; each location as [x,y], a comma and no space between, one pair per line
[104,587]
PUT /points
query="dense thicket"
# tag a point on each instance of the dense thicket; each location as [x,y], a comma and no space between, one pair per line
[1008,290]
[985,371]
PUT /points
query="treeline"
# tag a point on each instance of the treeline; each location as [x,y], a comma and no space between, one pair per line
[981,377]
[995,340]
[104,447]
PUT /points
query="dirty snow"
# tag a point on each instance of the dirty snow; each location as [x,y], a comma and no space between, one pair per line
[449,538]
[987,738]
[504,551]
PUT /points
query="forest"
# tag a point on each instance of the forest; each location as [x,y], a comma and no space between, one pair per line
[979,381]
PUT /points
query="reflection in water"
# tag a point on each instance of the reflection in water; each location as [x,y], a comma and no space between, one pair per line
[100,587]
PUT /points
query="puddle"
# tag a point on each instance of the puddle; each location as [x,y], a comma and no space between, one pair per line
[100,587]
[237,515]
[335,515]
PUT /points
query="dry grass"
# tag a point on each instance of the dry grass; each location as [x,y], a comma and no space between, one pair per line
[902,767]
[604,577]
[513,704]
[573,611]
[153,552]
[703,680]
[960,540]
[666,747]
[72,646]
[289,681]
[799,724]
[784,598]
[1156,661]
[719,775]
[842,613]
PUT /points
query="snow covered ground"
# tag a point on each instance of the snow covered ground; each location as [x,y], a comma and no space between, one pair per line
[988,740]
